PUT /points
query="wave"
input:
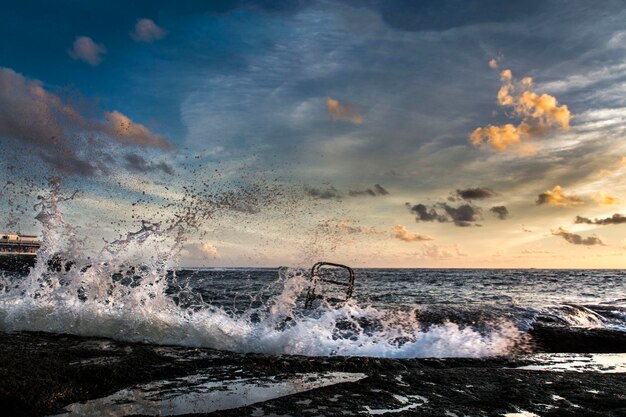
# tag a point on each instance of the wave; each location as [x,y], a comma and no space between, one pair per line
[123,294]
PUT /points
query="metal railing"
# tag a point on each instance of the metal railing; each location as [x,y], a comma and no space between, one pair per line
[317,277]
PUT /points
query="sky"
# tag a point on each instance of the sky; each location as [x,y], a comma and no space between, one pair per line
[478,134]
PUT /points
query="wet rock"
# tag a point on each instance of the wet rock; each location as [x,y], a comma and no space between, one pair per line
[577,340]
[42,373]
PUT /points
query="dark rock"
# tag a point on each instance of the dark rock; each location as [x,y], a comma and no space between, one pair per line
[577,340]
[40,373]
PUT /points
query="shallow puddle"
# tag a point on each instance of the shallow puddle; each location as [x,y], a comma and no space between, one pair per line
[604,363]
[200,394]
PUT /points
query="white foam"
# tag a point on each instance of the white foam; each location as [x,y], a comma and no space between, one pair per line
[521,413]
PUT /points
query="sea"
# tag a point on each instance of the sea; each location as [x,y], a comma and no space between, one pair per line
[133,288]
[126,330]
[392,313]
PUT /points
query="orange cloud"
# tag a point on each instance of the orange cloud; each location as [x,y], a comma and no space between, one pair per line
[544,109]
[556,197]
[539,113]
[346,226]
[603,199]
[401,232]
[128,132]
[500,138]
[343,111]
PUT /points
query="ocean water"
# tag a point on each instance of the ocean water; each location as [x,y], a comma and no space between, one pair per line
[393,312]
[133,289]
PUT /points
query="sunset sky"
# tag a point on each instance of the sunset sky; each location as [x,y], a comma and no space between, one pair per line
[377,133]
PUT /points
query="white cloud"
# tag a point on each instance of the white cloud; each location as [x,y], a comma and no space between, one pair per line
[589,78]
[199,251]
[618,40]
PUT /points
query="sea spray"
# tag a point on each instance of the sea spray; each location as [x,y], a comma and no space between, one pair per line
[128,291]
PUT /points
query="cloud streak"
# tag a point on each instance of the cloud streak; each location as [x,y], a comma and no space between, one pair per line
[614,219]
[575,239]
[333,193]
[377,190]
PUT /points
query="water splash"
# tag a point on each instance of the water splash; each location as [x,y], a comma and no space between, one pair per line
[125,292]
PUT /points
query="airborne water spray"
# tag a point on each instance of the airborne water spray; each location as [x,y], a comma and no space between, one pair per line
[117,294]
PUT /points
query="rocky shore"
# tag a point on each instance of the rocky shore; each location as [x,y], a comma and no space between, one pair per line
[44,374]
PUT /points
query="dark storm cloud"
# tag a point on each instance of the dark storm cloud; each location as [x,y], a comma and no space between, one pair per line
[614,219]
[477,193]
[137,163]
[500,211]
[377,190]
[332,192]
[464,215]
[575,239]
[323,193]
[426,214]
